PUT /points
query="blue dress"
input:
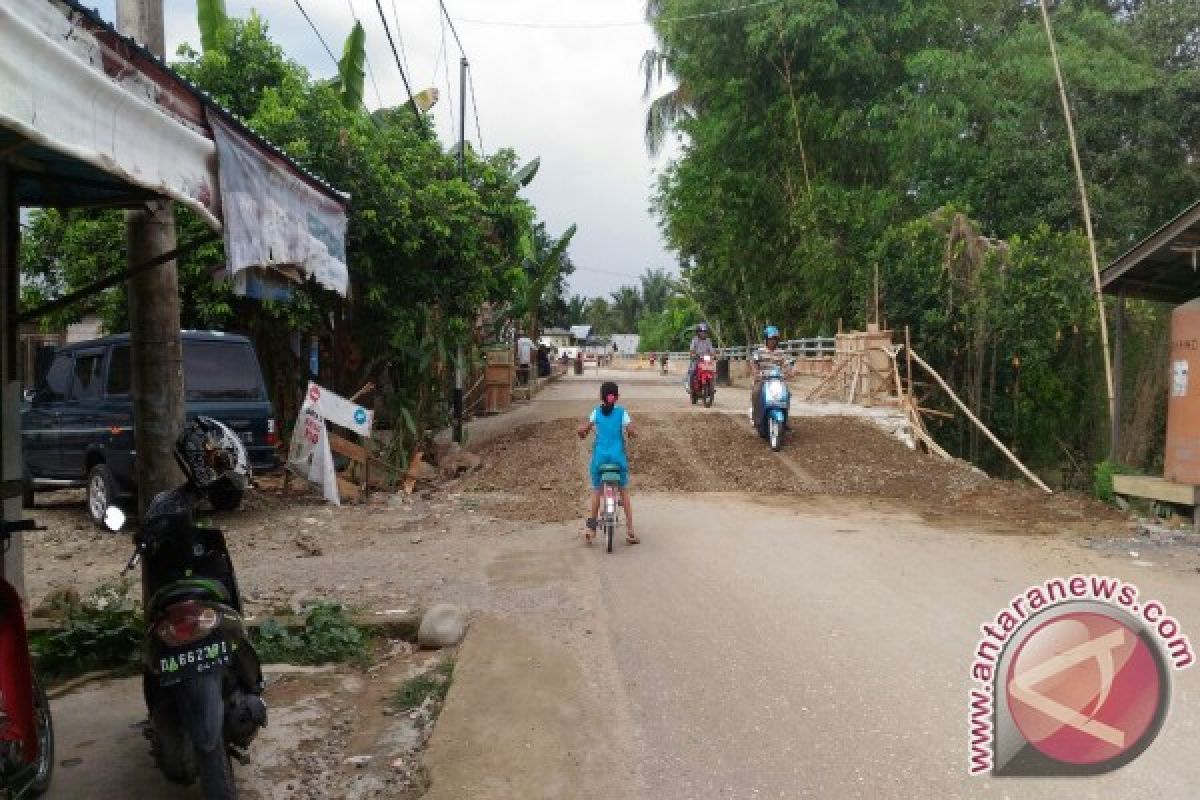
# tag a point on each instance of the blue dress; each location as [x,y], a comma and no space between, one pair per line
[609,446]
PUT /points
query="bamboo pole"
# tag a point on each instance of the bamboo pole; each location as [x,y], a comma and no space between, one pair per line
[908,358]
[1087,214]
[991,437]
[827,380]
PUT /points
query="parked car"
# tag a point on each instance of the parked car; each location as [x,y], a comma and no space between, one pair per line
[77,425]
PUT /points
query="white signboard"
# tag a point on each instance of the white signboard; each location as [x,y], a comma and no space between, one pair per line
[338,410]
[1179,379]
[309,455]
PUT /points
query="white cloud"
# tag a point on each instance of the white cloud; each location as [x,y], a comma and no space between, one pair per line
[570,96]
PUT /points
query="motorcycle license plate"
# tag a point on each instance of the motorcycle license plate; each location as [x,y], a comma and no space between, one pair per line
[178,664]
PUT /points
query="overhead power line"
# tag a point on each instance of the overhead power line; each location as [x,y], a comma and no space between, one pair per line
[333,58]
[312,25]
[598,25]
[396,54]
[475,112]
[446,14]
[400,38]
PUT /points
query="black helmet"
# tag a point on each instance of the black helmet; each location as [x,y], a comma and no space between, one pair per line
[209,453]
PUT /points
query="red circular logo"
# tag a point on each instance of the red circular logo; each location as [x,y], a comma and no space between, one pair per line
[314,393]
[1084,688]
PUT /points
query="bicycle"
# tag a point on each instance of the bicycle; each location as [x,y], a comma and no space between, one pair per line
[610,482]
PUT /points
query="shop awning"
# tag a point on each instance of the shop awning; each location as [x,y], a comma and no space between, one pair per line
[89,118]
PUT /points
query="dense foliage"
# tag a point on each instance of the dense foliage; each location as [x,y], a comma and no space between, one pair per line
[822,140]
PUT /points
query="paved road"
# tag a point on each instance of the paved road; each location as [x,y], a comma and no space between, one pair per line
[818,647]
[793,652]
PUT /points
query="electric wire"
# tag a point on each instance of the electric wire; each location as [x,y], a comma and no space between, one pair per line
[400,39]
[475,112]
[396,55]
[446,14]
[597,25]
[312,25]
[449,89]
[332,57]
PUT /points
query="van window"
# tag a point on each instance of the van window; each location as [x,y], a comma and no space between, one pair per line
[221,371]
[119,375]
[58,379]
[86,385]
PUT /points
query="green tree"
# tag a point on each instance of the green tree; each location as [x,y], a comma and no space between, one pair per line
[626,308]
[657,288]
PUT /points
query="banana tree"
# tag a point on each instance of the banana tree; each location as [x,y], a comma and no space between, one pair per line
[541,264]
[212,21]
[352,67]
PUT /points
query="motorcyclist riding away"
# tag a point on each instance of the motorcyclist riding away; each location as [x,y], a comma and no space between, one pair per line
[701,346]
[766,357]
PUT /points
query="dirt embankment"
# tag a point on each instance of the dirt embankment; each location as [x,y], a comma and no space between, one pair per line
[538,472]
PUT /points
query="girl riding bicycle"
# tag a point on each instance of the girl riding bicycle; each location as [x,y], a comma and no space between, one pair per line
[611,423]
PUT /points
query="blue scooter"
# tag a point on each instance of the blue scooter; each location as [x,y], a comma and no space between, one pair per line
[776,401]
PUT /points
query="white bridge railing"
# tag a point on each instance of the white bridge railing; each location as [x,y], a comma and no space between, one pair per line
[814,347]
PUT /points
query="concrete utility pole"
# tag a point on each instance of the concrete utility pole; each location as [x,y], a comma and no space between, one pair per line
[156,355]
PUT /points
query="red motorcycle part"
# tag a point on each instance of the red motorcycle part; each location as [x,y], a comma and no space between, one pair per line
[16,675]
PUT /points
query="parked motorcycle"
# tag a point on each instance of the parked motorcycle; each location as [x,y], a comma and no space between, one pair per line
[776,400]
[201,676]
[703,387]
[26,729]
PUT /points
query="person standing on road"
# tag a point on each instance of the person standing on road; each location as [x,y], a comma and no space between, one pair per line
[612,424]
[766,357]
[524,358]
[700,347]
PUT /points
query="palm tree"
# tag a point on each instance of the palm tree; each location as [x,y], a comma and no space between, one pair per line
[657,288]
[627,308]
[672,107]
[598,315]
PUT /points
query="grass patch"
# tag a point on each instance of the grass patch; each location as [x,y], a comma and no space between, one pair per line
[1102,479]
[103,632]
[416,690]
[328,636]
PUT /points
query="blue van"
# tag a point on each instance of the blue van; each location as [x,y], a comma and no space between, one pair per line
[77,426]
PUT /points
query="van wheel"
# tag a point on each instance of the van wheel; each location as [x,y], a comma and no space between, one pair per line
[101,493]
[224,498]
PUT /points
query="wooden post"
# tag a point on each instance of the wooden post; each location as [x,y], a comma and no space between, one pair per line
[10,388]
[156,350]
[908,358]
[991,437]
[1114,442]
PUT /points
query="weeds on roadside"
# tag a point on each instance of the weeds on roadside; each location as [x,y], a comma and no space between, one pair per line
[103,632]
[329,635]
[433,683]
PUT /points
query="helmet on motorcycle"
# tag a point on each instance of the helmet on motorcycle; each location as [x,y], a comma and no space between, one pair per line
[770,332]
[208,452]
[702,327]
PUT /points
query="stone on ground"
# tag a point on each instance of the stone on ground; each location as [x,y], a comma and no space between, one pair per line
[444,625]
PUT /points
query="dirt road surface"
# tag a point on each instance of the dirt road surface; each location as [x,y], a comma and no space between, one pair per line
[793,625]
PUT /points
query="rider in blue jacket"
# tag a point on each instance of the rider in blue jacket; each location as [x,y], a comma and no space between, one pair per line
[611,423]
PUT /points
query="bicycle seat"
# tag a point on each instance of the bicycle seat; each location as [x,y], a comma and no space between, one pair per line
[610,473]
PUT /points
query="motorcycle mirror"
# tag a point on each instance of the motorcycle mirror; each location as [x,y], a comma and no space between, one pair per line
[114,518]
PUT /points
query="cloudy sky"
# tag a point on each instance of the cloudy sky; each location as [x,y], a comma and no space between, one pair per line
[572,95]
